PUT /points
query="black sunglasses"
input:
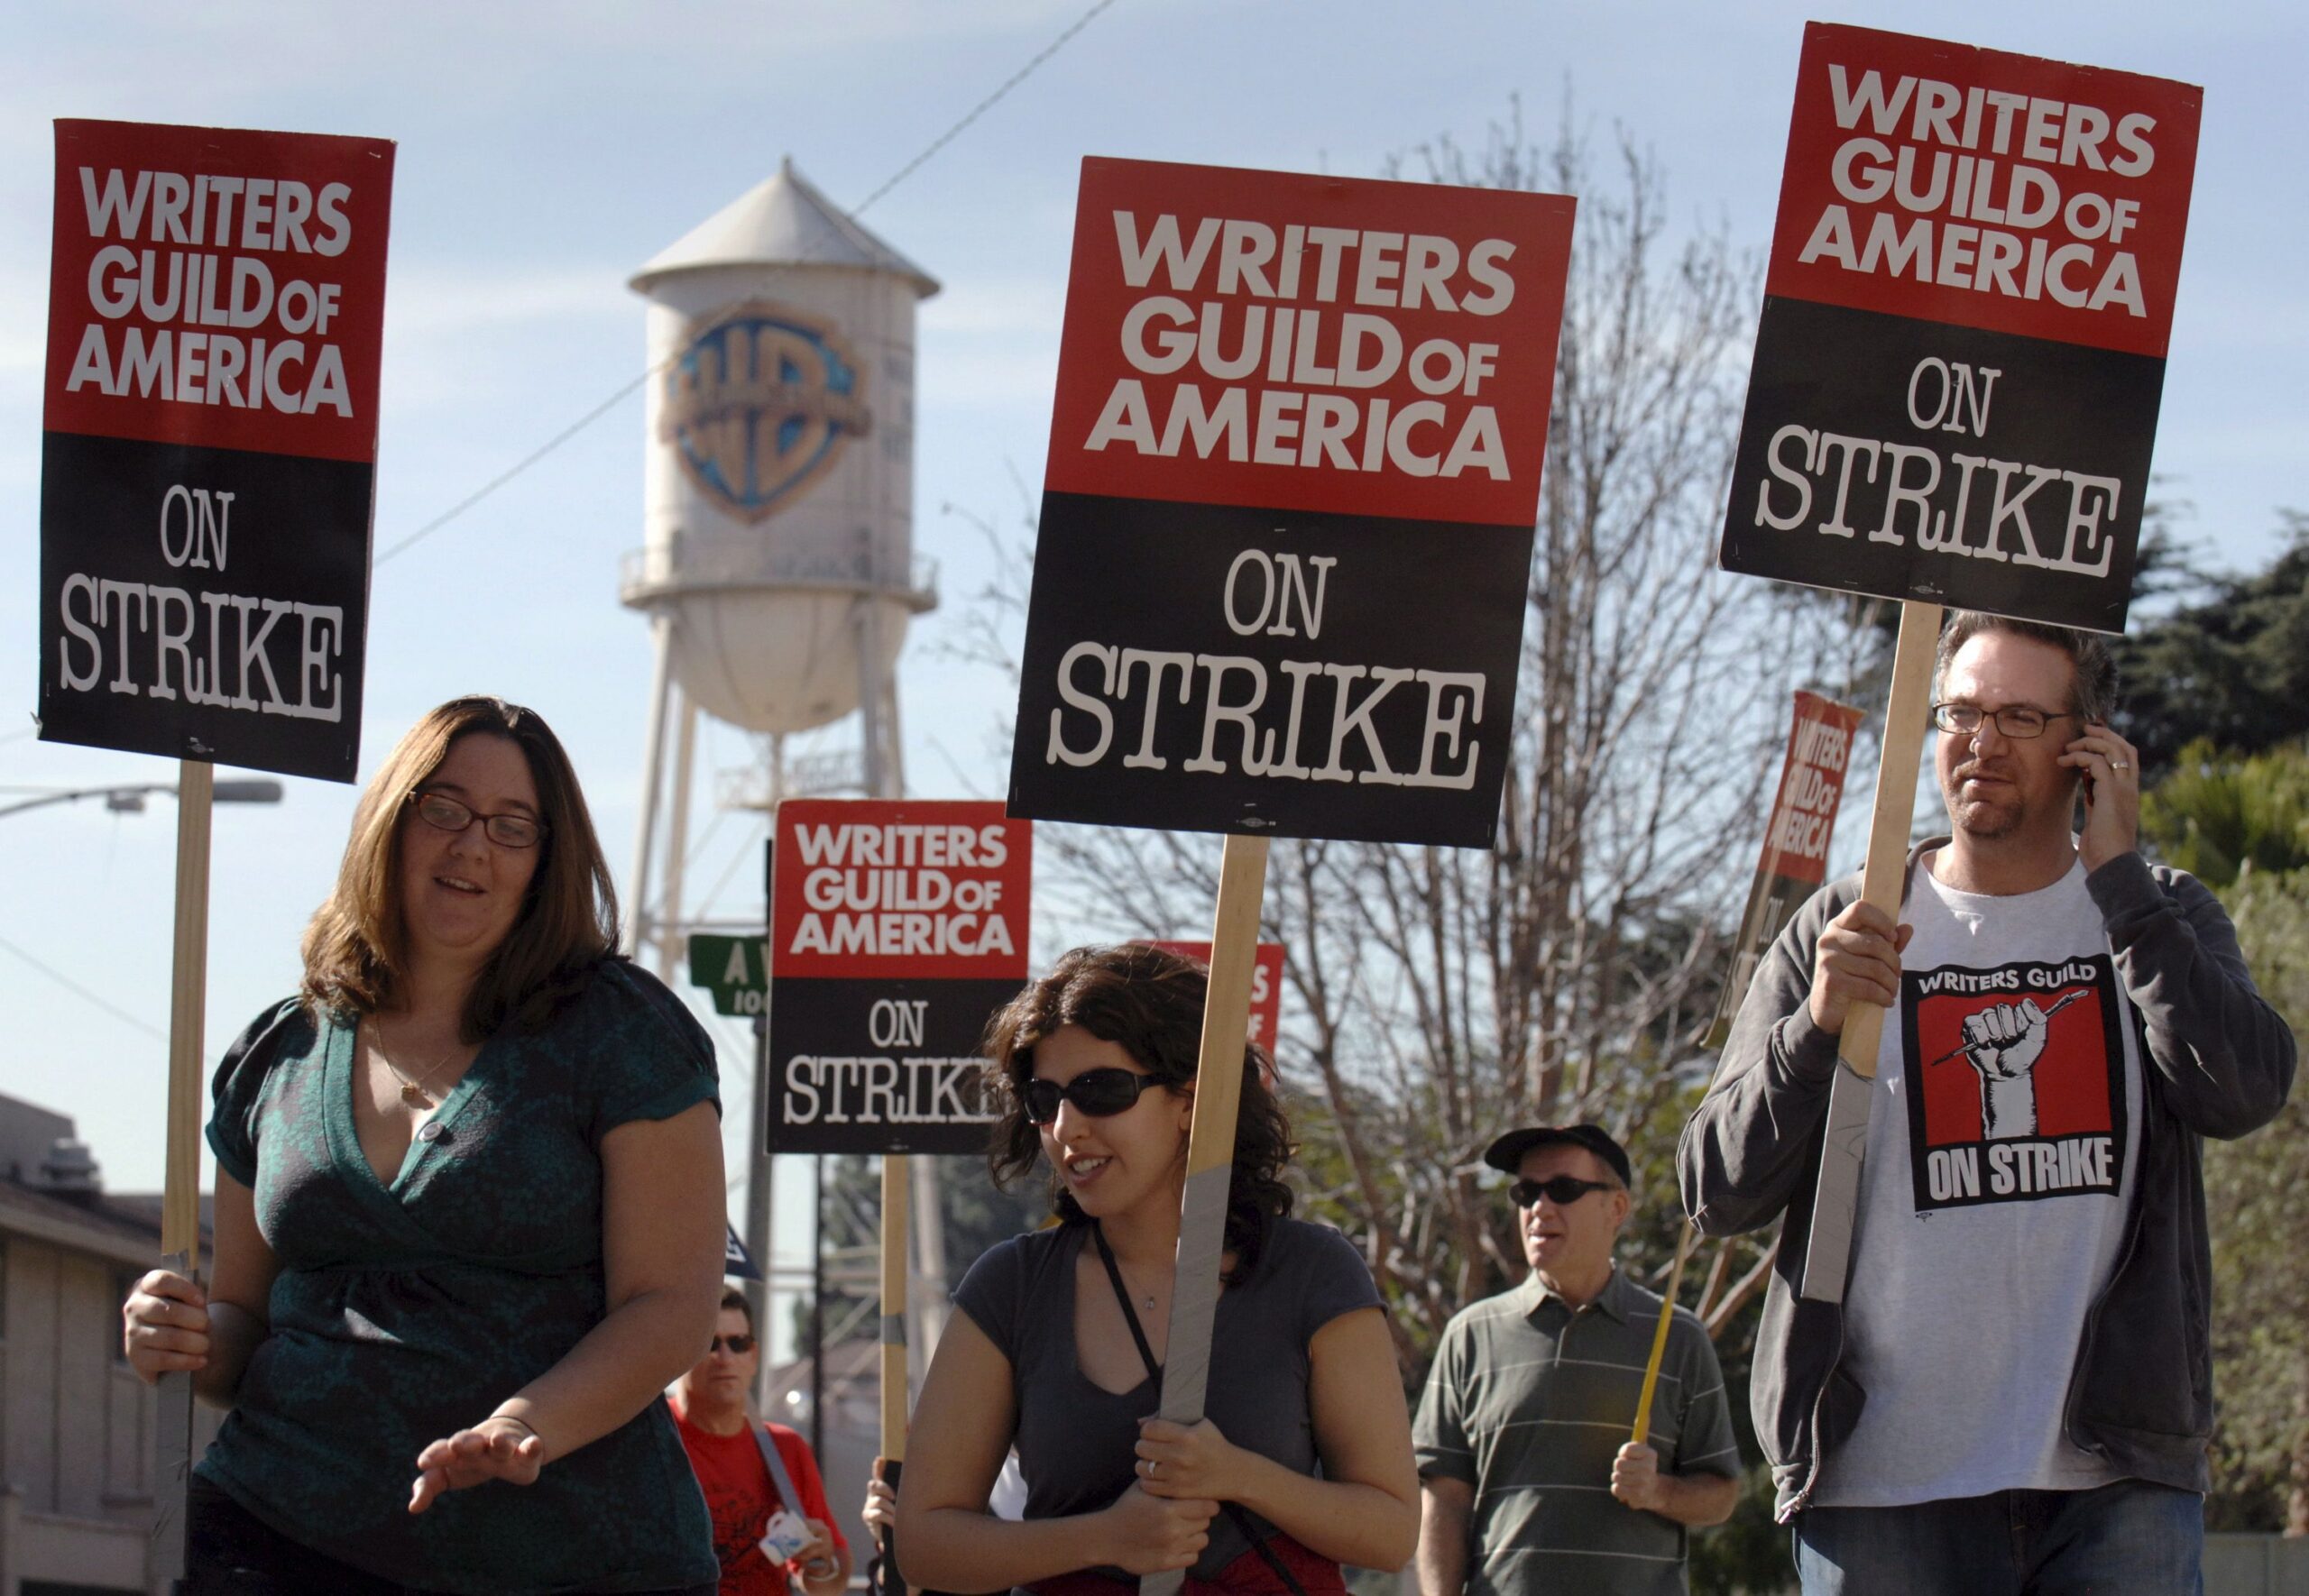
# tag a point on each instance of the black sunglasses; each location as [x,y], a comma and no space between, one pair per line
[1562,1191]
[738,1346]
[1096,1092]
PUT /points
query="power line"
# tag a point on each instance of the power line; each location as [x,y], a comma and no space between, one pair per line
[614,400]
[69,985]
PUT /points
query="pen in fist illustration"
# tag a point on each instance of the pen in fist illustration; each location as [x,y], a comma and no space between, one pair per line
[2003,1043]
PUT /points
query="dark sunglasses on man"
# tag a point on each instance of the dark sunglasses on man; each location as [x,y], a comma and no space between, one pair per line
[1096,1092]
[1562,1191]
[738,1346]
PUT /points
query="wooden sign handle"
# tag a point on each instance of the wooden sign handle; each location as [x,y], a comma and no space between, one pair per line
[895,1203]
[1906,712]
[1210,1144]
[1827,1251]
[181,1195]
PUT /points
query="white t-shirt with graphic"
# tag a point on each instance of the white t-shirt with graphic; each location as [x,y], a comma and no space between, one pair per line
[2001,1147]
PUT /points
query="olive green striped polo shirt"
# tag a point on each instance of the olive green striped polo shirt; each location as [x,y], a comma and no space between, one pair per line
[1529,1402]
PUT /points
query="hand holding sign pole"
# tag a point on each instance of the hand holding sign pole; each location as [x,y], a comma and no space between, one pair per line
[1955,388]
[1286,532]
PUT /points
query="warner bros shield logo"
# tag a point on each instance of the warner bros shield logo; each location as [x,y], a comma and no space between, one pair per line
[760,403]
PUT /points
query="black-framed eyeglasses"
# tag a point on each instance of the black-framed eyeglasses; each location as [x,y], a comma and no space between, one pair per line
[444,813]
[1562,1191]
[1096,1092]
[2020,723]
[738,1346]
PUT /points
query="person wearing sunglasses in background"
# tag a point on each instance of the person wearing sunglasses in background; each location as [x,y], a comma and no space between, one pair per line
[469,1215]
[745,1491]
[1528,1476]
[1061,1329]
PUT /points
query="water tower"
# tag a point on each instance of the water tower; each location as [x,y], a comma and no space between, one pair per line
[778,567]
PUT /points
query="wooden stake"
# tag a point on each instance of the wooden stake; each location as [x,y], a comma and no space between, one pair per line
[883,1575]
[895,1207]
[1886,870]
[1827,1256]
[1210,1144]
[1660,1336]
[180,1195]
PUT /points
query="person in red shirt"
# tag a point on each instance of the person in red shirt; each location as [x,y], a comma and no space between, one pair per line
[709,1405]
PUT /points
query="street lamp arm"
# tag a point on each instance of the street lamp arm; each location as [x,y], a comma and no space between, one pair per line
[76,793]
[257,789]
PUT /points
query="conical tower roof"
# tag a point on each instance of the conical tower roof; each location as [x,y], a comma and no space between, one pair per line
[784,221]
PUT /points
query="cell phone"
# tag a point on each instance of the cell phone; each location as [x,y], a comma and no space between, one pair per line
[782,1540]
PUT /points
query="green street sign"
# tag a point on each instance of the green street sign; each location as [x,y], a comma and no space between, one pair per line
[734,970]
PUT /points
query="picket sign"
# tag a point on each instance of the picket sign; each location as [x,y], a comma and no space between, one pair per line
[1968,335]
[1280,592]
[155,441]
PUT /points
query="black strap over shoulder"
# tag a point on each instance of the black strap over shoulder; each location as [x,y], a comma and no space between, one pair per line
[1234,1510]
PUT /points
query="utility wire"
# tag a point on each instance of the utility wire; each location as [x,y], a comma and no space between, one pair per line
[614,400]
[67,982]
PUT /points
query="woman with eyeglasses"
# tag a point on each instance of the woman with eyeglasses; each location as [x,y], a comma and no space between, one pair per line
[468,1215]
[771,1523]
[1061,1331]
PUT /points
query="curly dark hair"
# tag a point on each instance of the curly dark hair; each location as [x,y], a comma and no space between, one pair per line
[1149,1003]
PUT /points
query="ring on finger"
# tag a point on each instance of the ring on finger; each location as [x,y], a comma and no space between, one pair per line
[1154,1467]
[2119,764]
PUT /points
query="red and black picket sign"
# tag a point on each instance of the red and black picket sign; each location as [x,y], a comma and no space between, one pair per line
[214,332]
[1961,351]
[896,928]
[1287,517]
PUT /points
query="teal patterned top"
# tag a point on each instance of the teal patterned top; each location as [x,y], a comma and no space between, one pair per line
[405,1311]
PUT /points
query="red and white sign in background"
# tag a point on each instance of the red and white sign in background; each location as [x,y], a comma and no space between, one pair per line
[896,928]
[1287,517]
[1961,352]
[208,458]
[1797,830]
[1266,990]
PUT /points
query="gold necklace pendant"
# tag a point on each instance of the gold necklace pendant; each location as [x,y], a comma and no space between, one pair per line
[414,1095]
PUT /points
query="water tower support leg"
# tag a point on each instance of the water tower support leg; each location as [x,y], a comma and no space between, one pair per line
[671,942]
[653,757]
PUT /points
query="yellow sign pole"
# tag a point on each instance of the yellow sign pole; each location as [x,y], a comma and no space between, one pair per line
[1660,1336]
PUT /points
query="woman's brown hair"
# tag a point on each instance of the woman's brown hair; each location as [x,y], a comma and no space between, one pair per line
[356,949]
[1149,1003]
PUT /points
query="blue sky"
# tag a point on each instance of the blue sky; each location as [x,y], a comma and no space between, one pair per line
[547,150]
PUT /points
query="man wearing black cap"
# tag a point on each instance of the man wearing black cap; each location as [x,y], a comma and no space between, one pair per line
[1528,1477]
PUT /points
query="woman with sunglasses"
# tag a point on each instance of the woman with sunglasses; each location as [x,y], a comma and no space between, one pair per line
[468,1215]
[1061,1329]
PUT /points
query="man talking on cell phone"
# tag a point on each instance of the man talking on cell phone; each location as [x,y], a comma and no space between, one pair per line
[2016,1392]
